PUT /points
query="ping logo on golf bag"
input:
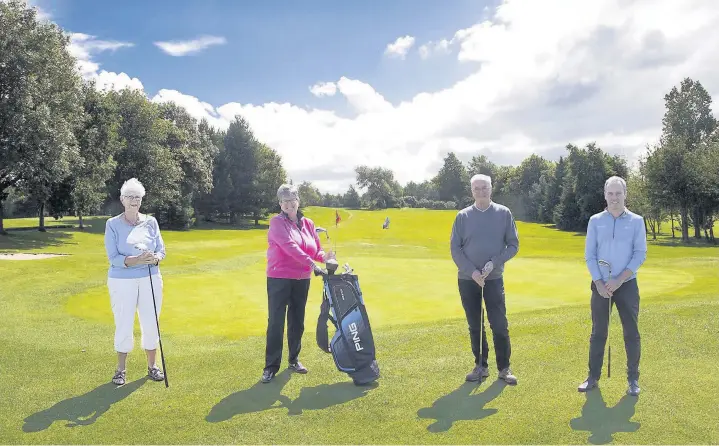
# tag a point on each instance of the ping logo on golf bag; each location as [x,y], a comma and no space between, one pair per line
[355,336]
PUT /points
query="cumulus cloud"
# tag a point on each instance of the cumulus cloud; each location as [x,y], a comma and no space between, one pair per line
[545,74]
[84,47]
[400,47]
[430,49]
[184,47]
[324,89]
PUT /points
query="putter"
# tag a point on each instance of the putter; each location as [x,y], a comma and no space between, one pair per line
[609,324]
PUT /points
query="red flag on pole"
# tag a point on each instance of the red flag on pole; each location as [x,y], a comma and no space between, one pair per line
[338,219]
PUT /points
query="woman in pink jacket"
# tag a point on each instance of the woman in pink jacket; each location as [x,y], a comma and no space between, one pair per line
[294,247]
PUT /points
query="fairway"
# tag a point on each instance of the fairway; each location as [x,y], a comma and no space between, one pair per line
[57,358]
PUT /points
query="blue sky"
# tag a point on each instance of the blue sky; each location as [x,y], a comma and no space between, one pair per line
[399,84]
[275,49]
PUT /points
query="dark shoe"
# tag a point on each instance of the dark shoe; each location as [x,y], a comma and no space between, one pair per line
[298,367]
[155,373]
[633,389]
[508,376]
[119,377]
[477,373]
[267,376]
[587,385]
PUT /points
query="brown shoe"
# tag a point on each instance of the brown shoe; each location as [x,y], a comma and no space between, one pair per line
[477,373]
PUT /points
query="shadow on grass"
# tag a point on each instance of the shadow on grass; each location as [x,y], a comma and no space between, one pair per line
[677,243]
[81,410]
[602,421]
[461,405]
[28,240]
[261,396]
[327,395]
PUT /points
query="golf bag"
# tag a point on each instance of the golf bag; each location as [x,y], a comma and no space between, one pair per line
[352,345]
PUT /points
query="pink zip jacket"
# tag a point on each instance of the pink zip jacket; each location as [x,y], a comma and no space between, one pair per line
[292,252]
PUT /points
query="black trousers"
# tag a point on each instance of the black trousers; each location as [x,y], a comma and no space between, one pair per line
[493,293]
[285,297]
[626,300]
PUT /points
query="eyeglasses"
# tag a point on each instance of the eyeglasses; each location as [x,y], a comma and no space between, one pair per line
[133,197]
[290,200]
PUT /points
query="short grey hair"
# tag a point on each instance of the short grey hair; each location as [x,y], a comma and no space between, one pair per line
[287,191]
[481,177]
[616,179]
[132,186]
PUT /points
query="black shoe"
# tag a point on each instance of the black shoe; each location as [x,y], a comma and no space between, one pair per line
[633,389]
[267,376]
[587,385]
[298,367]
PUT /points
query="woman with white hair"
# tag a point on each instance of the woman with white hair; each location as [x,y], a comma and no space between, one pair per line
[132,242]
[294,247]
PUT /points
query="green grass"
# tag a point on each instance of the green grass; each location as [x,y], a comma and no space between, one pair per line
[56,349]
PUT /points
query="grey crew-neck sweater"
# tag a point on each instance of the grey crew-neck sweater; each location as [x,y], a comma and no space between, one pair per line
[480,236]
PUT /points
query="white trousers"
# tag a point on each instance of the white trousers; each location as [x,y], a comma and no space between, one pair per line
[128,296]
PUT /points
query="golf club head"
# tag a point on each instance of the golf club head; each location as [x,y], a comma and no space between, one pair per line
[332,266]
[327,234]
[348,269]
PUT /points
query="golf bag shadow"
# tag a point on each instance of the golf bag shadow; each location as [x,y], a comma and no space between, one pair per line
[352,345]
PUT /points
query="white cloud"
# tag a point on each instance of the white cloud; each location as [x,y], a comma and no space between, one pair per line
[400,47]
[431,48]
[185,47]
[83,47]
[324,89]
[547,74]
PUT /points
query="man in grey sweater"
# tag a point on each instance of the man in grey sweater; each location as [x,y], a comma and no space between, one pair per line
[484,238]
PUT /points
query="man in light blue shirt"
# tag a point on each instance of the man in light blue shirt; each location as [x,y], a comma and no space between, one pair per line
[615,248]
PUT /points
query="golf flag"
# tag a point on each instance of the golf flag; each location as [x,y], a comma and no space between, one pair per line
[338,219]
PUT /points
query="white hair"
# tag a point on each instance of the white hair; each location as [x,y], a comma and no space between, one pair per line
[132,186]
[287,191]
[481,177]
[616,179]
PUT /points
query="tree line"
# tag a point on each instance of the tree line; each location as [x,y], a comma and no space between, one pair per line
[66,148]
[676,180]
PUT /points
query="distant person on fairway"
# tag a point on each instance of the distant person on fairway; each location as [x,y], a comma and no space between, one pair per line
[294,247]
[617,236]
[386,223]
[132,242]
[484,237]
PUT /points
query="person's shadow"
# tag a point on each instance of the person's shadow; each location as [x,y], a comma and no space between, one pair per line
[326,395]
[603,421]
[460,405]
[261,396]
[82,410]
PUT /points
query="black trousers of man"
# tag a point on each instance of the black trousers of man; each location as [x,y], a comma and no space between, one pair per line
[493,293]
[285,297]
[626,300]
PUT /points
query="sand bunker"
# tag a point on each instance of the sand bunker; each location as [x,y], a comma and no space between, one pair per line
[28,256]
